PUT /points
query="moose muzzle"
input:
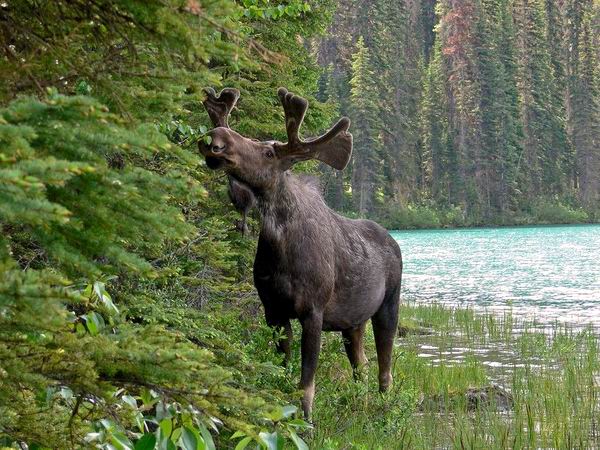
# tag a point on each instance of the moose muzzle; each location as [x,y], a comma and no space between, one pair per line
[214,152]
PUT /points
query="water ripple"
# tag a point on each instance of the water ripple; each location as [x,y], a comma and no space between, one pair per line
[547,273]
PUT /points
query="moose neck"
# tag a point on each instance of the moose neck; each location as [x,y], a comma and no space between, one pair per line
[284,202]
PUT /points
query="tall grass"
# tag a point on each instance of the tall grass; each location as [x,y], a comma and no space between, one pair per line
[552,374]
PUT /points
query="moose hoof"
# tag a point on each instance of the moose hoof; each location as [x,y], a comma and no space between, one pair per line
[385,383]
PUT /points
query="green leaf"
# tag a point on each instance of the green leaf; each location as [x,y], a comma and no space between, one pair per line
[166,426]
[129,400]
[94,322]
[87,292]
[107,424]
[139,421]
[105,298]
[243,443]
[237,434]
[166,444]
[208,440]
[297,440]
[147,442]
[273,441]
[289,410]
[275,415]
[121,442]
[191,440]
[176,434]
[298,423]
[148,397]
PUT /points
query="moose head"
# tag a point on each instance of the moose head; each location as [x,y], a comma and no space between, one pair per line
[258,164]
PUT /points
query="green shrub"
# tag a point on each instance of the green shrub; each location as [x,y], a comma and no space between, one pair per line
[396,217]
[557,212]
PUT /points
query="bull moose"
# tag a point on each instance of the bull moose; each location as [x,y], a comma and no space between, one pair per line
[329,272]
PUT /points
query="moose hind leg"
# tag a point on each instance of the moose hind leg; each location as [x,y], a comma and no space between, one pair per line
[385,326]
[353,343]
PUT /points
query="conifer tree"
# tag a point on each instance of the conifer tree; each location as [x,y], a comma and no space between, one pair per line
[366,163]
[398,69]
[477,96]
[583,89]
[498,106]
[334,89]
[437,144]
[457,32]
[545,145]
[114,235]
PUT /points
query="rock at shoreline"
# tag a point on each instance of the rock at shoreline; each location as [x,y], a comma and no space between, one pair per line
[475,398]
[494,395]
[405,330]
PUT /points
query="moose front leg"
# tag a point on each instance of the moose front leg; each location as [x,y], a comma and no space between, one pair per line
[312,325]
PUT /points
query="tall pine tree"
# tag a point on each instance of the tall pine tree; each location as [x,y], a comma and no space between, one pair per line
[364,103]
[545,155]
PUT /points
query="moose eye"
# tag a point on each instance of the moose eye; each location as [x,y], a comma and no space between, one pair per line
[269,154]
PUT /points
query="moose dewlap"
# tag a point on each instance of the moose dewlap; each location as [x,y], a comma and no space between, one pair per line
[329,272]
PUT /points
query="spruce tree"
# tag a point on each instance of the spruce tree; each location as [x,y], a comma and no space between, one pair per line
[366,162]
[584,108]
[117,250]
[498,106]
[546,151]
[437,144]
[396,57]
[457,33]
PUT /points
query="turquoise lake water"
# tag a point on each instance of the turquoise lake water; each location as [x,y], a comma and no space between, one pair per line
[547,273]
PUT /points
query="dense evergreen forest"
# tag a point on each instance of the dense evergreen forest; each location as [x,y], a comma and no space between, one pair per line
[471,111]
[127,314]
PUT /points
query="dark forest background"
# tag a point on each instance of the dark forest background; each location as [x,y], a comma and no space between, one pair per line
[466,111]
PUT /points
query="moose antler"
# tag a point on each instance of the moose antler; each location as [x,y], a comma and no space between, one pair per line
[219,106]
[333,148]
[294,108]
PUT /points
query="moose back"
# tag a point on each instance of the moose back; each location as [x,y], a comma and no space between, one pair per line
[329,272]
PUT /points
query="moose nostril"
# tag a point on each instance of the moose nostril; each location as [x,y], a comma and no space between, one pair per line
[217,148]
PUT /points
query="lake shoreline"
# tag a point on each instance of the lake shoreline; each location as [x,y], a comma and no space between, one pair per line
[492,226]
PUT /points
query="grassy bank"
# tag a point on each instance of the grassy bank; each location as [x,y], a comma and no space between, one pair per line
[462,380]
[550,376]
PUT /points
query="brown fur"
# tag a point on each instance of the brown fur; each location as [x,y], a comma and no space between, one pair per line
[327,271]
